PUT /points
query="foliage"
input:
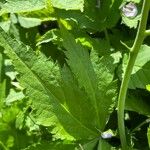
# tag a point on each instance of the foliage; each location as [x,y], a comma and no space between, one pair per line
[61,66]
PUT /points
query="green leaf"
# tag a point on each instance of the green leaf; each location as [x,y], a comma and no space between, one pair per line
[140,73]
[135,1]
[9,70]
[131,23]
[138,104]
[51,145]
[5,25]
[28,22]
[7,130]
[103,145]
[112,12]
[79,61]
[94,18]
[148,87]
[90,145]
[9,136]
[18,6]
[77,99]
[38,75]
[14,96]
[101,46]
[51,106]
[143,57]
[45,14]
[68,4]
[97,143]
[51,35]
[105,67]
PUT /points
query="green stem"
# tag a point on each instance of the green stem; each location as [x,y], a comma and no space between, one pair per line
[140,125]
[124,85]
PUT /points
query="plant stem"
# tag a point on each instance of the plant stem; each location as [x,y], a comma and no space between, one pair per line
[124,85]
[140,125]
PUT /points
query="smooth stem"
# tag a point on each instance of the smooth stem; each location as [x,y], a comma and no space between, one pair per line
[140,125]
[124,85]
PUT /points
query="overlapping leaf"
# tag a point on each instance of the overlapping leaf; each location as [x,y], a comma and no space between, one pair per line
[17,6]
[28,22]
[68,4]
[52,106]
[105,68]
[138,104]
[140,74]
[97,19]
[36,75]
[79,61]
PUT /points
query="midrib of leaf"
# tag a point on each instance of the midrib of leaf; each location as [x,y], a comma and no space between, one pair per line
[38,78]
[93,97]
[48,91]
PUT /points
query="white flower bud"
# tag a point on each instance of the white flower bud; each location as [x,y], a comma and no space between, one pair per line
[130,10]
[107,134]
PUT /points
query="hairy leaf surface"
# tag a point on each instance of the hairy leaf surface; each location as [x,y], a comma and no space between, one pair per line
[100,99]
[36,75]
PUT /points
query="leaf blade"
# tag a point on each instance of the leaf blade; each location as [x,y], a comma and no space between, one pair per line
[35,79]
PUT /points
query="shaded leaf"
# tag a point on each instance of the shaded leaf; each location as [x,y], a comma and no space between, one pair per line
[94,18]
[140,73]
[137,104]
